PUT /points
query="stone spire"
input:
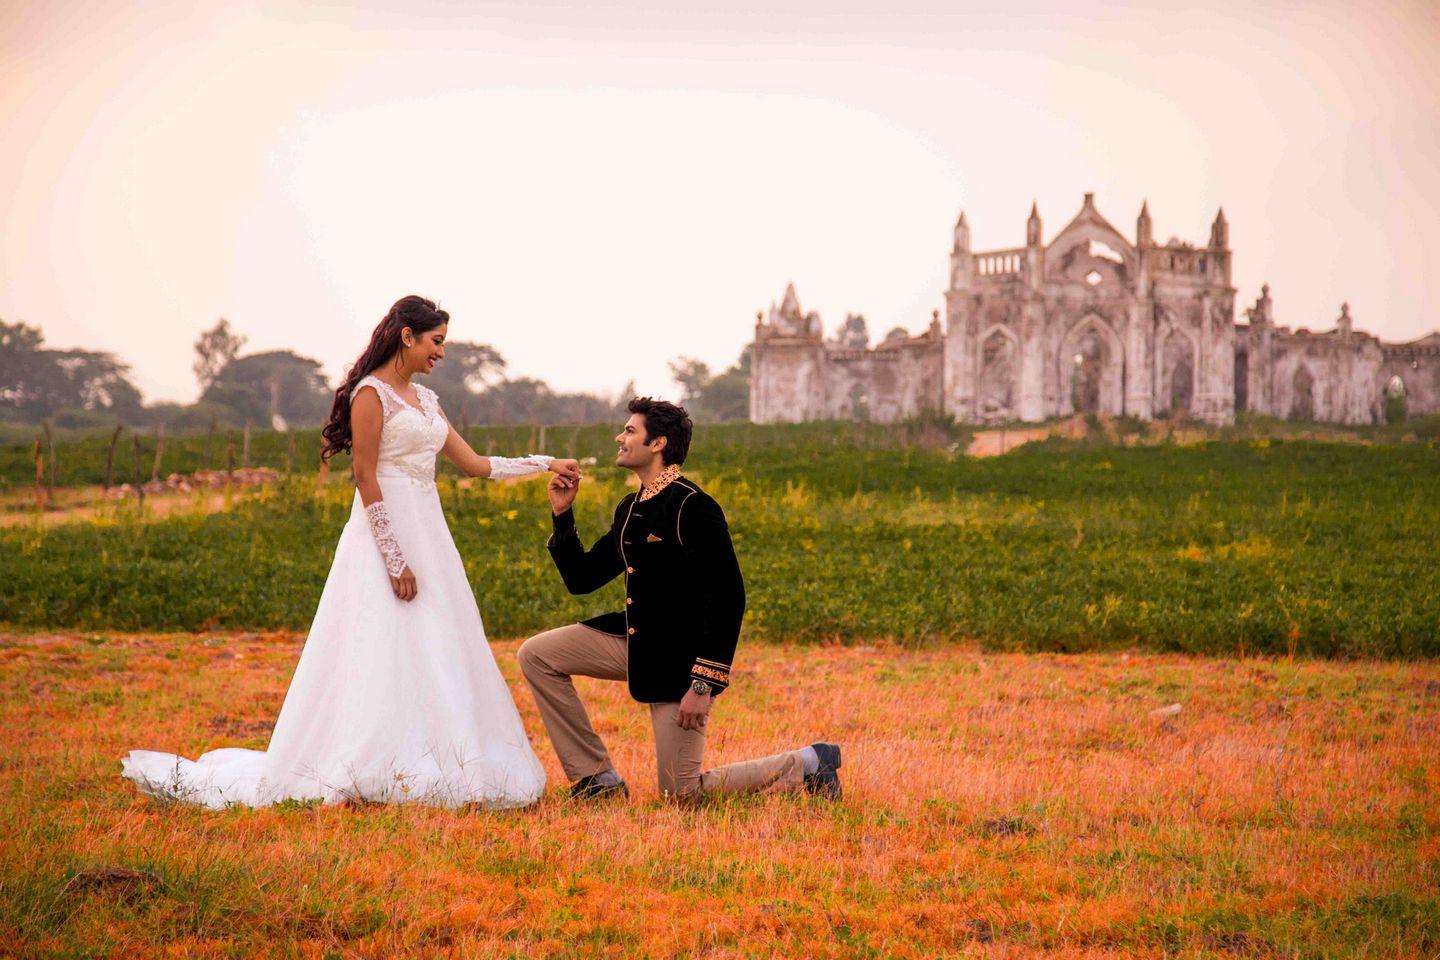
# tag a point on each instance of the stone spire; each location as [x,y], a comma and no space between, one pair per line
[1220,232]
[1144,230]
[1032,226]
[962,261]
[790,305]
[962,234]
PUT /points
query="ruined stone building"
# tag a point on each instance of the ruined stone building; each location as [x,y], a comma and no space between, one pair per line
[1094,323]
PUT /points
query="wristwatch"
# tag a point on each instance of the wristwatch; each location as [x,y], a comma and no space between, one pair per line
[700,687]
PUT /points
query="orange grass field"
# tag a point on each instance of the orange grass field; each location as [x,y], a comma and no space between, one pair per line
[998,805]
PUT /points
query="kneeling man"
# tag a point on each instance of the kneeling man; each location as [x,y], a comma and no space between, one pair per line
[674,640]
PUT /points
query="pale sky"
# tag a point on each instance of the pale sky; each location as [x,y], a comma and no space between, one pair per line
[596,189]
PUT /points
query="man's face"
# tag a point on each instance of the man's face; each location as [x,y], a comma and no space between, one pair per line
[634,452]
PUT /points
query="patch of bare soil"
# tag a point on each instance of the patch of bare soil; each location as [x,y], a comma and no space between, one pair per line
[992,443]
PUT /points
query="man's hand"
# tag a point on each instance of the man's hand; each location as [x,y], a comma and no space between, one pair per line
[694,710]
[404,585]
[562,492]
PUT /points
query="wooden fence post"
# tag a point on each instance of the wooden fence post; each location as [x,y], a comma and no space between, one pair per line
[139,486]
[50,445]
[159,452]
[39,475]
[110,458]
[324,474]
[245,448]
[290,450]
[229,457]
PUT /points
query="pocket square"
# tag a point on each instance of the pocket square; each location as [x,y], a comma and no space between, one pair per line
[652,539]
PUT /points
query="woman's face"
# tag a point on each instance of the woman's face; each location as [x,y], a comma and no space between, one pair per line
[426,349]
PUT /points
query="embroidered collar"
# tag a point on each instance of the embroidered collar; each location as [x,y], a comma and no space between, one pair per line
[667,477]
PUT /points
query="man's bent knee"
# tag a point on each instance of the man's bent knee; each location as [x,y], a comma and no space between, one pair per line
[529,655]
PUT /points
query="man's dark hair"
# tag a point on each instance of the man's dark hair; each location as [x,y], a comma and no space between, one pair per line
[668,420]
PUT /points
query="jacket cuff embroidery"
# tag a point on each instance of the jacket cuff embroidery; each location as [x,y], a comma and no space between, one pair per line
[713,673]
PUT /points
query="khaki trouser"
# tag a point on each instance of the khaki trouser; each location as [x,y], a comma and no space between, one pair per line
[550,659]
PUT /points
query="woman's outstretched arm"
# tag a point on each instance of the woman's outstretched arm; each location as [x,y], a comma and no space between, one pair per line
[472,464]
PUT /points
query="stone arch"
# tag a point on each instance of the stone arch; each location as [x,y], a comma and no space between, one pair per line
[1242,379]
[1302,393]
[859,399]
[1076,246]
[1092,366]
[1178,359]
[1392,399]
[997,380]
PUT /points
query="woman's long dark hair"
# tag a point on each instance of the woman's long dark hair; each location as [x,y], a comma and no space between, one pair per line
[414,312]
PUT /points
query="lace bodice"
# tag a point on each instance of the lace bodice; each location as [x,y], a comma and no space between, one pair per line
[411,436]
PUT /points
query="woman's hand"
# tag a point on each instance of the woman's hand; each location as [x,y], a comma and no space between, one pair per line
[404,585]
[566,469]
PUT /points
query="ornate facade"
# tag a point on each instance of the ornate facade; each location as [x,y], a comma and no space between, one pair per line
[1092,323]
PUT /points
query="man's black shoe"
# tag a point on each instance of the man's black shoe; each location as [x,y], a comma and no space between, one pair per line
[592,788]
[825,781]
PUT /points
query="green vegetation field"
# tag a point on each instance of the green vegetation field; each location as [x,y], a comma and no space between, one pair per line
[847,534]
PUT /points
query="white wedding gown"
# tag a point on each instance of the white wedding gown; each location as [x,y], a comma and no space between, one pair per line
[391,700]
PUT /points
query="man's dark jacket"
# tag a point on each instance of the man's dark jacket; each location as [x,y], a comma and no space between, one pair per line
[684,596]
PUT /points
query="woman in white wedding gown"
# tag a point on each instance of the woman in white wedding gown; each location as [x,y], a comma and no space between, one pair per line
[397,695]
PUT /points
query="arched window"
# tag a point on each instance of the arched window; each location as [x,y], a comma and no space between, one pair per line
[1089,359]
[1179,365]
[1395,400]
[859,402]
[995,397]
[1242,380]
[1302,394]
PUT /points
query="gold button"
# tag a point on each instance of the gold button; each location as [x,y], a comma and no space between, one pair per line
[630,630]
[628,601]
[629,569]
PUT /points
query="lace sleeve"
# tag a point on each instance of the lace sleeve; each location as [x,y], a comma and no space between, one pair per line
[503,468]
[384,536]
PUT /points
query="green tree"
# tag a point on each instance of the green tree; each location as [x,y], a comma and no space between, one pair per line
[724,396]
[693,376]
[86,385]
[527,400]
[277,388]
[98,382]
[214,350]
[20,377]
[467,370]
